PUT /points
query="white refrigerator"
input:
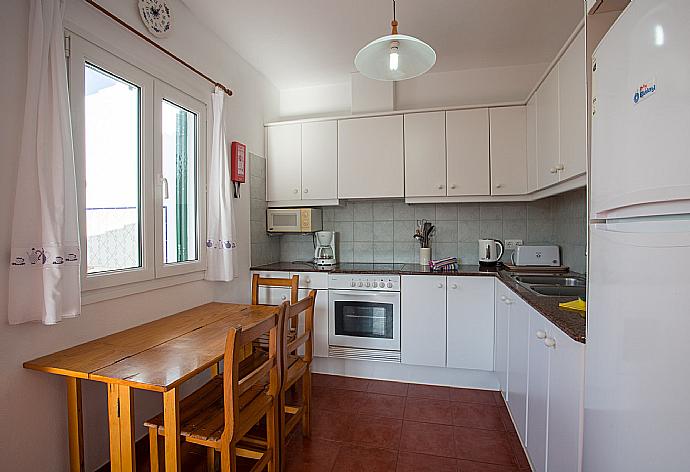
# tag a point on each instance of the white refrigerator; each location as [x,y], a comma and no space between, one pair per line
[637,405]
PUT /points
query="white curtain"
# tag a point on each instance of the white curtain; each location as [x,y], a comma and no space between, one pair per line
[220,220]
[45,258]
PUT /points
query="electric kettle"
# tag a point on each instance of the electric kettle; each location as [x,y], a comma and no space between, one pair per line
[490,251]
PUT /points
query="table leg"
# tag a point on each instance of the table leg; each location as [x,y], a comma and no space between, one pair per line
[171,425]
[75,425]
[121,426]
[114,427]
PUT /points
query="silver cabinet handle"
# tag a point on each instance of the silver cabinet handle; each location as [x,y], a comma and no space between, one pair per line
[306,190]
[550,342]
[454,286]
[541,334]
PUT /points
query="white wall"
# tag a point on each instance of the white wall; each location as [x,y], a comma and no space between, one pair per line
[468,87]
[433,89]
[32,405]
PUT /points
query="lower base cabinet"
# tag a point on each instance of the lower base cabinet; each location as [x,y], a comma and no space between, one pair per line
[423,320]
[545,386]
[501,342]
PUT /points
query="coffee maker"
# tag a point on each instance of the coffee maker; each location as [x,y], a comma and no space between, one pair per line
[324,253]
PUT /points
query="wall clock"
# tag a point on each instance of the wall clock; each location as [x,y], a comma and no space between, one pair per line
[156,16]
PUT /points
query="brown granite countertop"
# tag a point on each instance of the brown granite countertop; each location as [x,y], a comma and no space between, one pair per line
[570,322]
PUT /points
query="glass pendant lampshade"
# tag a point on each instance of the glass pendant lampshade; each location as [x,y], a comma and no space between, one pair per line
[395,57]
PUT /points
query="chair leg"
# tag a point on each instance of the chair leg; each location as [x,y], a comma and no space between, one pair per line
[228,459]
[153,449]
[210,459]
[275,437]
[306,404]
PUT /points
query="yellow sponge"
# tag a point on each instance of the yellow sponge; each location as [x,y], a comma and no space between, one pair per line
[577,305]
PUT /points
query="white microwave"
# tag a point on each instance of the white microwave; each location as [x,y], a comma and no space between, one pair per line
[293,220]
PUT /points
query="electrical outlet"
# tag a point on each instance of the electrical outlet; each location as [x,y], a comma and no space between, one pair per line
[513,243]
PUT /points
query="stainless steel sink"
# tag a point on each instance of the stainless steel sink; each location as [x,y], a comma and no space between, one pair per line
[555,285]
[551,280]
[556,291]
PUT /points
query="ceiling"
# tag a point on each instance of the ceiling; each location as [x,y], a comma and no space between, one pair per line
[299,43]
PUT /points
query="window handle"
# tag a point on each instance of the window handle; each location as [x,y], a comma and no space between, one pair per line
[164,187]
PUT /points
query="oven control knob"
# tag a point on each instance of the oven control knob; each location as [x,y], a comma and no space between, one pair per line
[389,285]
[376,284]
[352,284]
[367,284]
[359,284]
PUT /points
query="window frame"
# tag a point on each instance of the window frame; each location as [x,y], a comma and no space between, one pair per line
[152,268]
[163,91]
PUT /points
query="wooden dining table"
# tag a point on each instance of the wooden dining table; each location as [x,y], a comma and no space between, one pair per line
[158,356]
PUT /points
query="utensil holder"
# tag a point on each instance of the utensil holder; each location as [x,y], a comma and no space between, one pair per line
[424,255]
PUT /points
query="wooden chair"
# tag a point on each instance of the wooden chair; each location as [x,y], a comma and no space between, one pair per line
[296,367]
[258,281]
[221,413]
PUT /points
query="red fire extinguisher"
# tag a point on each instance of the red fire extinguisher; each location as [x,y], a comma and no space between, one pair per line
[238,165]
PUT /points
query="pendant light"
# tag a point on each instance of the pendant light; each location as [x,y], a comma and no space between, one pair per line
[395,57]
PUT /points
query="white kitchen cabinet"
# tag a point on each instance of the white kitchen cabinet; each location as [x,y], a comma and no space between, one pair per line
[283,162]
[302,162]
[508,150]
[531,145]
[425,154]
[467,145]
[572,99]
[320,321]
[538,391]
[502,314]
[517,363]
[470,325]
[548,130]
[566,391]
[320,160]
[423,320]
[370,157]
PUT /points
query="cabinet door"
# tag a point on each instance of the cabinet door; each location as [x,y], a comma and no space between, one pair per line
[425,154]
[538,391]
[370,157]
[320,321]
[548,130]
[467,139]
[502,310]
[470,314]
[508,151]
[517,363]
[566,389]
[423,325]
[572,87]
[531,144]
[320,160]
[284,162]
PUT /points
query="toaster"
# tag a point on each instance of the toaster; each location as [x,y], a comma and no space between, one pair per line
[536,256]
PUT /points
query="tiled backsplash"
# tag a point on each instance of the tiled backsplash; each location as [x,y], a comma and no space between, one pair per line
[381,231]
[265,249]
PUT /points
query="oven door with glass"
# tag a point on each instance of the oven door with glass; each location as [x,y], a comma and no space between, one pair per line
[364,319]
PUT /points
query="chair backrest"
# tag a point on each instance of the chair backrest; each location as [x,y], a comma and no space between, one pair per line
[233,385]
[306,339]
[258,281]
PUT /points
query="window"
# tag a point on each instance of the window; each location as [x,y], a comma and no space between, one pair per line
[112,162]
[140,152]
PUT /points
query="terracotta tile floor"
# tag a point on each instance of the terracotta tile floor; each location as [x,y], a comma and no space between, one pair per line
[374,426]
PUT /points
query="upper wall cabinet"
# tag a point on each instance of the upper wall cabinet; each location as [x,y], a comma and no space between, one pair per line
[425,154]
[531,144]
[508,151]
[467,141]
[572,98]
[301,162]
[284,162]
[320,160]
[548,130]
[370,157]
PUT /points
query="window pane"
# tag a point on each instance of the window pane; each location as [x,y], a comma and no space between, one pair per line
[113,197]
[179,129]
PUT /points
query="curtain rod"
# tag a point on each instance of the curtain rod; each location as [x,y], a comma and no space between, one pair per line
[156,45]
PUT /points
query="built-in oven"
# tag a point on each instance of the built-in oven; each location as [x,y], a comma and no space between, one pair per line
[364,316]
